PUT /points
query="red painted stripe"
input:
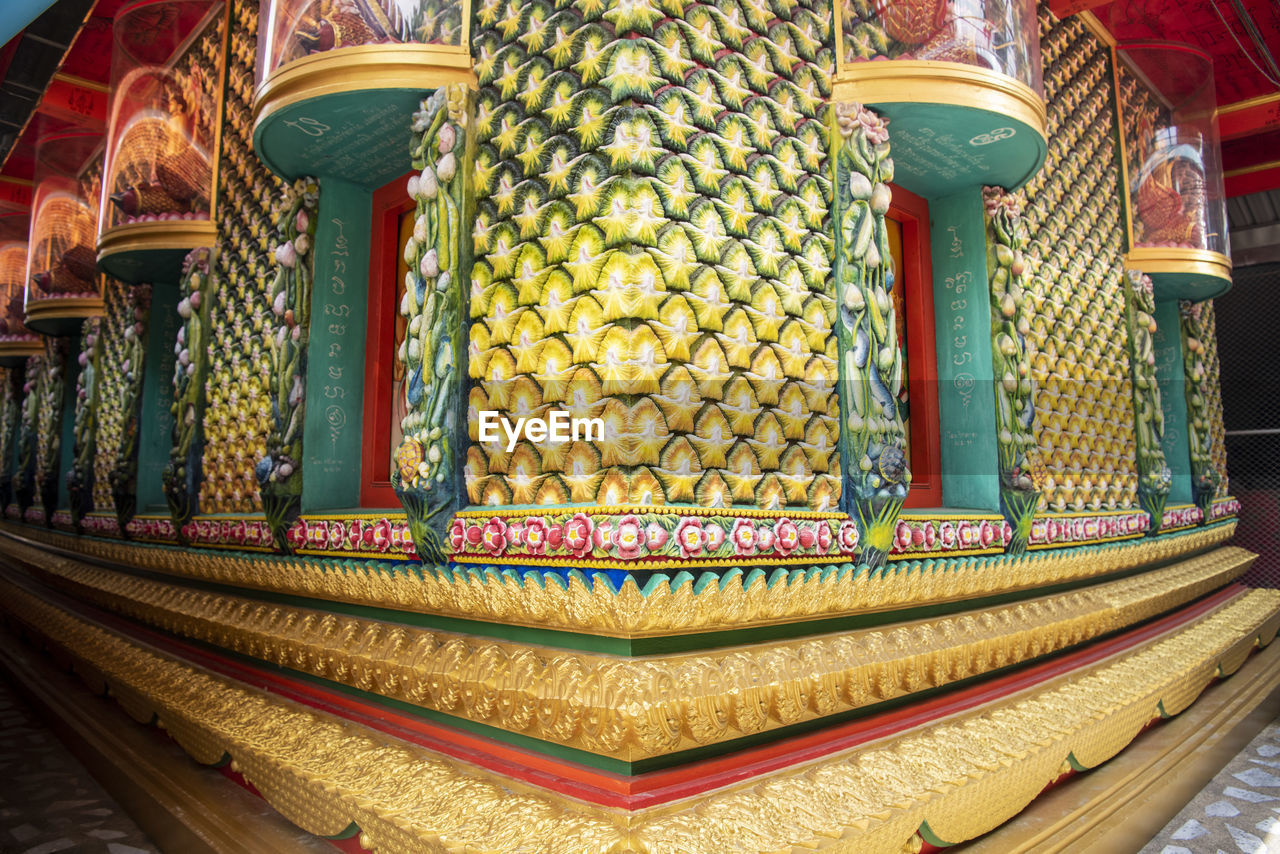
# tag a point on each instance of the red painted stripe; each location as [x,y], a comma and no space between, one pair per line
[657,787]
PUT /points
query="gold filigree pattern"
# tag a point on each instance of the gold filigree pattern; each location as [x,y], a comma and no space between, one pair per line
[668,607]
[960,776]
[637,708]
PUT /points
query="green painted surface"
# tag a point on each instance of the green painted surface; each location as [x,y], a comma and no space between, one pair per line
[155,425]
[1192,286]
[1170,377]
[940,150]
[962,320]
[330,135]
[66,450]
[336,350]
[145,265]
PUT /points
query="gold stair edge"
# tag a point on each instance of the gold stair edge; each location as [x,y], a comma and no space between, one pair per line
[181,806]
[638,708]
[665,610]
[954,779]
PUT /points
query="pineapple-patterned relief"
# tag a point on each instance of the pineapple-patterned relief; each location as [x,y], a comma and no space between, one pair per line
[1153,473]
[80,479]
[652,249]
[241,375]
[1084,411]
[1014,385]
[1196,330]
[872,443]
[428,468]
[284,339]
[1213,401]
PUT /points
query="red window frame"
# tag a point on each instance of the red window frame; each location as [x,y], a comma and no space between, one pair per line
[912,213]
[389,204]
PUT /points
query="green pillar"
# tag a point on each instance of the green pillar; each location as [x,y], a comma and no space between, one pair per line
[1171,379]
[962,319]
[155,429]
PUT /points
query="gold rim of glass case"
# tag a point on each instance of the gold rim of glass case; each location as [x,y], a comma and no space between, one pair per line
[21,349]
[917,81]
[1174,259]
[157,235]
[63,308]
[365,67]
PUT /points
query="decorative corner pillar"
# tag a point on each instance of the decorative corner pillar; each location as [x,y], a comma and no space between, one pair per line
[1204,476]
[285,336]
[1011,363]
[872,439]
[24,476]
[85,428]
[49,414]
[10,406]
[130,329]
[1154,476]
[428,476]
[183,474]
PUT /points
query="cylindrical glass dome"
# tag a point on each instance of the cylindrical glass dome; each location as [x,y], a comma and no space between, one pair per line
[1174,162]
[63,284]
[293,29]
[995,35]
[13,275]
[166,78]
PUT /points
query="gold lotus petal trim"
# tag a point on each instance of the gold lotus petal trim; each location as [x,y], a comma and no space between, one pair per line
[633,708]
[963,776]
[597,609]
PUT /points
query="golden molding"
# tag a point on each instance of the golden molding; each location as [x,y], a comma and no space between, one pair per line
[628,612]
[637,708]
[918,81]
[64,308]
[170,234]
[1154,260]
[360,68]
[952,780]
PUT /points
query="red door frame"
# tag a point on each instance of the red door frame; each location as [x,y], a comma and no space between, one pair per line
[912,212]
[389,204]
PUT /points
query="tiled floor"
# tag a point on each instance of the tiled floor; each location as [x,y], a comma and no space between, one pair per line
[48,801]
[1238,812]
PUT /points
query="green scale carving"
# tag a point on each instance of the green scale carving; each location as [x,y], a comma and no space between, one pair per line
[873,439]
[428,476]
[1011,362]
[80,479]
[1204,475]
[1153,474]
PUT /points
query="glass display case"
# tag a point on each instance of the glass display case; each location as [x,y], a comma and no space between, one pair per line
[1173,169]
[960,81]
[17,342]
[337,77]
[162,139]
[63,283]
